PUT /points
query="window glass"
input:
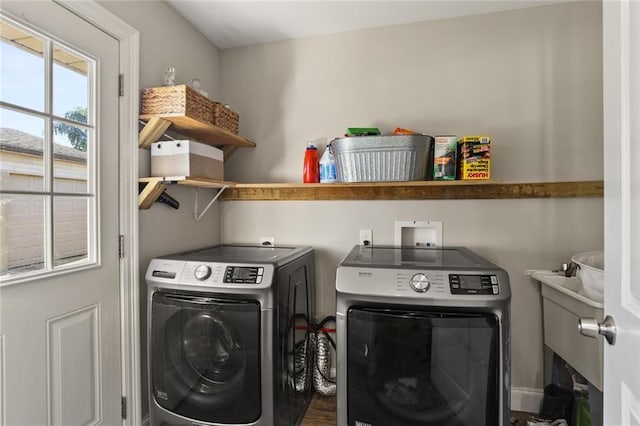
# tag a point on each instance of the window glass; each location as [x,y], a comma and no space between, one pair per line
[70,85]
[22,234]
[22,68]
[70,230]
[21,151]
[70,168]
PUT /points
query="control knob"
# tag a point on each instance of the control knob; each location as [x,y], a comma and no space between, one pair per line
[420,283]
[202,272]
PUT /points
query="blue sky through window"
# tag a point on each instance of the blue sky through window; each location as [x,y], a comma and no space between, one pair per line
[22,83]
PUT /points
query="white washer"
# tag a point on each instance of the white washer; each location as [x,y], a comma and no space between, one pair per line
[423,338]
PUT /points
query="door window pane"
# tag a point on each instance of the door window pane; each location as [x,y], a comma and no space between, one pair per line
[70,168]
[22,71]
[70,229]
[22,237]
[21,151]
[70,85]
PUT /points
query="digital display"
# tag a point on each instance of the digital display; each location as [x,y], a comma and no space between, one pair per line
[474,284]
[471,282]
[242,273]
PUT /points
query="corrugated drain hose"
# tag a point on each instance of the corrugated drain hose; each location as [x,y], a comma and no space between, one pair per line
[324,345]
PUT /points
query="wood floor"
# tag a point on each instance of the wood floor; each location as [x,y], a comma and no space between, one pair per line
[322,412]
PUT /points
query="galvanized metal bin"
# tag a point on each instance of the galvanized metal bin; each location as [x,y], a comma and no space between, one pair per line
[383,158]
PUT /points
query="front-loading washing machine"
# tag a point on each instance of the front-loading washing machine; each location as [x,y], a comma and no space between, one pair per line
[227,337]
[422,338]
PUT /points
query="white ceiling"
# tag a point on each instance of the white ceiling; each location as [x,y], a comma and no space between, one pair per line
[235,23]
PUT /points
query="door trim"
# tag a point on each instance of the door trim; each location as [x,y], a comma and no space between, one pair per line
[129,48]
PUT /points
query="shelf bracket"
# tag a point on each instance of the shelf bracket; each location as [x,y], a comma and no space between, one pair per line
[152,131]
[150,193]
[198,215]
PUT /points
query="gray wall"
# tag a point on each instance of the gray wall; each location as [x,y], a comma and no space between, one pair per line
[530,78]
[167,39]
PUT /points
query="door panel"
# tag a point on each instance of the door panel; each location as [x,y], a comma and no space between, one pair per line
[73,369]
[621,78]
[61,334]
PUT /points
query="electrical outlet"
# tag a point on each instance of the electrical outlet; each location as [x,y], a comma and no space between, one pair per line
[267,241]
[366,237]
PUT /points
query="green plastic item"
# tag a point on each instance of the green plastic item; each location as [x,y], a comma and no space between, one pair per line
[363,131]
[582,414]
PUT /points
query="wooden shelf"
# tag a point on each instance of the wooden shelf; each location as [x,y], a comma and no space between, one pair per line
[419,190]
[191,128]
[156,185]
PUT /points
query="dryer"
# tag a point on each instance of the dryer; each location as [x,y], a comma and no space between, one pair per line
[226,336]
[422,338]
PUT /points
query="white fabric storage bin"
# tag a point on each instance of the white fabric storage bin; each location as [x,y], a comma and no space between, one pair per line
[187,158]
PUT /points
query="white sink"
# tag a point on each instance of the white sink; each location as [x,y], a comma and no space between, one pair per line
[563,303]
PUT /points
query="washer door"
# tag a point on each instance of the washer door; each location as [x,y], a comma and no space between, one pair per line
[205,357]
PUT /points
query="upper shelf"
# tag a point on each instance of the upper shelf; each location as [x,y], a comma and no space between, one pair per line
[192,128]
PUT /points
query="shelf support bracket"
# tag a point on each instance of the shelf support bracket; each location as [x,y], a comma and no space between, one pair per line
[198,215]
[150,193]
[152,131]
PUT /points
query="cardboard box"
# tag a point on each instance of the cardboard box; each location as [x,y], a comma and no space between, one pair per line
[444,157]
[187,158]
[474,158]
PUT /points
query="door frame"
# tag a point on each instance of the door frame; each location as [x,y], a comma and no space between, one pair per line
[129,49]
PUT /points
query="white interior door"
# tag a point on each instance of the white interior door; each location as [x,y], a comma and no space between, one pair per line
[621,28]
[60,359]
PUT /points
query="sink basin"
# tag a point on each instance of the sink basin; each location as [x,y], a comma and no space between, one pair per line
[564,301]
[572,287]
[591,273]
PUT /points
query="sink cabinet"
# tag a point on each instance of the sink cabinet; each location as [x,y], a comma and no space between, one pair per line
[563,304]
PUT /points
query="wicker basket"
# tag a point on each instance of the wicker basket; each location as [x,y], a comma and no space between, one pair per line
[224,118]
[180,99]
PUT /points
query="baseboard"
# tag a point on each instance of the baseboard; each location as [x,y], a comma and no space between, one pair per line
[526,399]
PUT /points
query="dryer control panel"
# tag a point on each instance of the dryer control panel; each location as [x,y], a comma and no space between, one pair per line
[473,284]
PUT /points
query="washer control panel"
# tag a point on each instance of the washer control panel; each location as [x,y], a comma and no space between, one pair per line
[211,274]
[243,274]
[424,284]
[473,284]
